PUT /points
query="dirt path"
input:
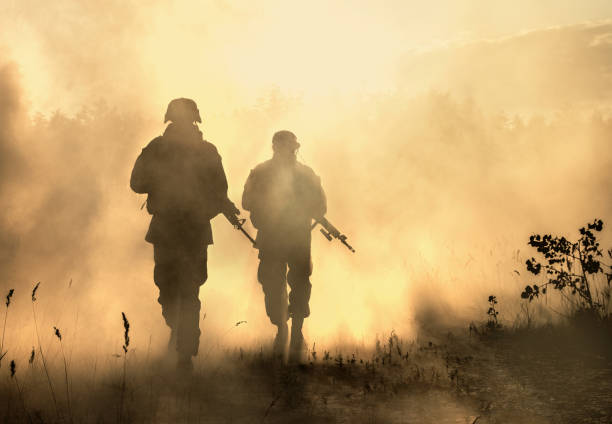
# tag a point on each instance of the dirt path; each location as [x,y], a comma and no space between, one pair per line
[455,379]
[540,381]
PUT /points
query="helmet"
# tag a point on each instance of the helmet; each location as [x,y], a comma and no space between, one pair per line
[182,108]
[285,138]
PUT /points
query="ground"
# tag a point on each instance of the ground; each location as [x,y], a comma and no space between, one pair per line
[557,374]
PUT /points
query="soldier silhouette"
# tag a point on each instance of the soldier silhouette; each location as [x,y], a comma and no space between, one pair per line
[283,197]
[186,186]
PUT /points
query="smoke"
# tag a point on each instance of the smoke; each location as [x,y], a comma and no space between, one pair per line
[10,159]
[563,67]
[438,181]
[59,180]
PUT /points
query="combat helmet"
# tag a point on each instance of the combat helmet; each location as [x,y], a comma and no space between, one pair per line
[182,107]
[286,139]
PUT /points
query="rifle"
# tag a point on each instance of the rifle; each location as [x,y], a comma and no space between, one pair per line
[238,223]
[330,231]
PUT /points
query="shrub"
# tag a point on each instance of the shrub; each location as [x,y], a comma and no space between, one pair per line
[575,269]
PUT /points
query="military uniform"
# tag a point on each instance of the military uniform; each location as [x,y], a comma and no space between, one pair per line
[283,198]
[186,186]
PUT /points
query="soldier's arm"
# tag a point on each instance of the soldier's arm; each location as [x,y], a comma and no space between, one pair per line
[247,194]
[220,180]
[219,189]
[321,204]
[142,174]
[253,198]
[139,179]
[316,201]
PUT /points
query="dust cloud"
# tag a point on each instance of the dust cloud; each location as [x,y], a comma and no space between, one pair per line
[438,174]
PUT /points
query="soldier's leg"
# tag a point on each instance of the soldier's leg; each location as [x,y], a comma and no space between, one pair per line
[165,275]
[300,269]
[272,275]
[194,274]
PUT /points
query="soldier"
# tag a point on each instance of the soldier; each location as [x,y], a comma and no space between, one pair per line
[186,186]
[283,197]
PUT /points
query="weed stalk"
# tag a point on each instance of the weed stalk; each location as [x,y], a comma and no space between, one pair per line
[42,355]
[126,344]
[14,377]
[8,303]
[57,333]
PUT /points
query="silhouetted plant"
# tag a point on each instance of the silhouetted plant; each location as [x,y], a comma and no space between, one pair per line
[126,333]
[493,322]
[572,267]
[40,350]
[8,303]
[58,334]
[126,344]
[14,377]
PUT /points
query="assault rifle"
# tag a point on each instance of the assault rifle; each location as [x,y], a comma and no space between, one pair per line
[238,223]
[330,231]
[231,214]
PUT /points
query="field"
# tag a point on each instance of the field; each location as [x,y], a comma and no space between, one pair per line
[475,374]
[450,370]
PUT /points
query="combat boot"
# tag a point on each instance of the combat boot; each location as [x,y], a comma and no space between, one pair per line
[297,346]
[280,341]
[184,363]
[172,341]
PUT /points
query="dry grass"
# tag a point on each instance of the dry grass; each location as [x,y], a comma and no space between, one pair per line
[446,376]
[244,384]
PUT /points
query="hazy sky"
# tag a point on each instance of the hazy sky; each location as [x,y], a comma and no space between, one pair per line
[227,54]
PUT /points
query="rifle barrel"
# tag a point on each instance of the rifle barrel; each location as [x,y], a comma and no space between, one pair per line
[237,224]
[247,235]
[347,245]
[331,231]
